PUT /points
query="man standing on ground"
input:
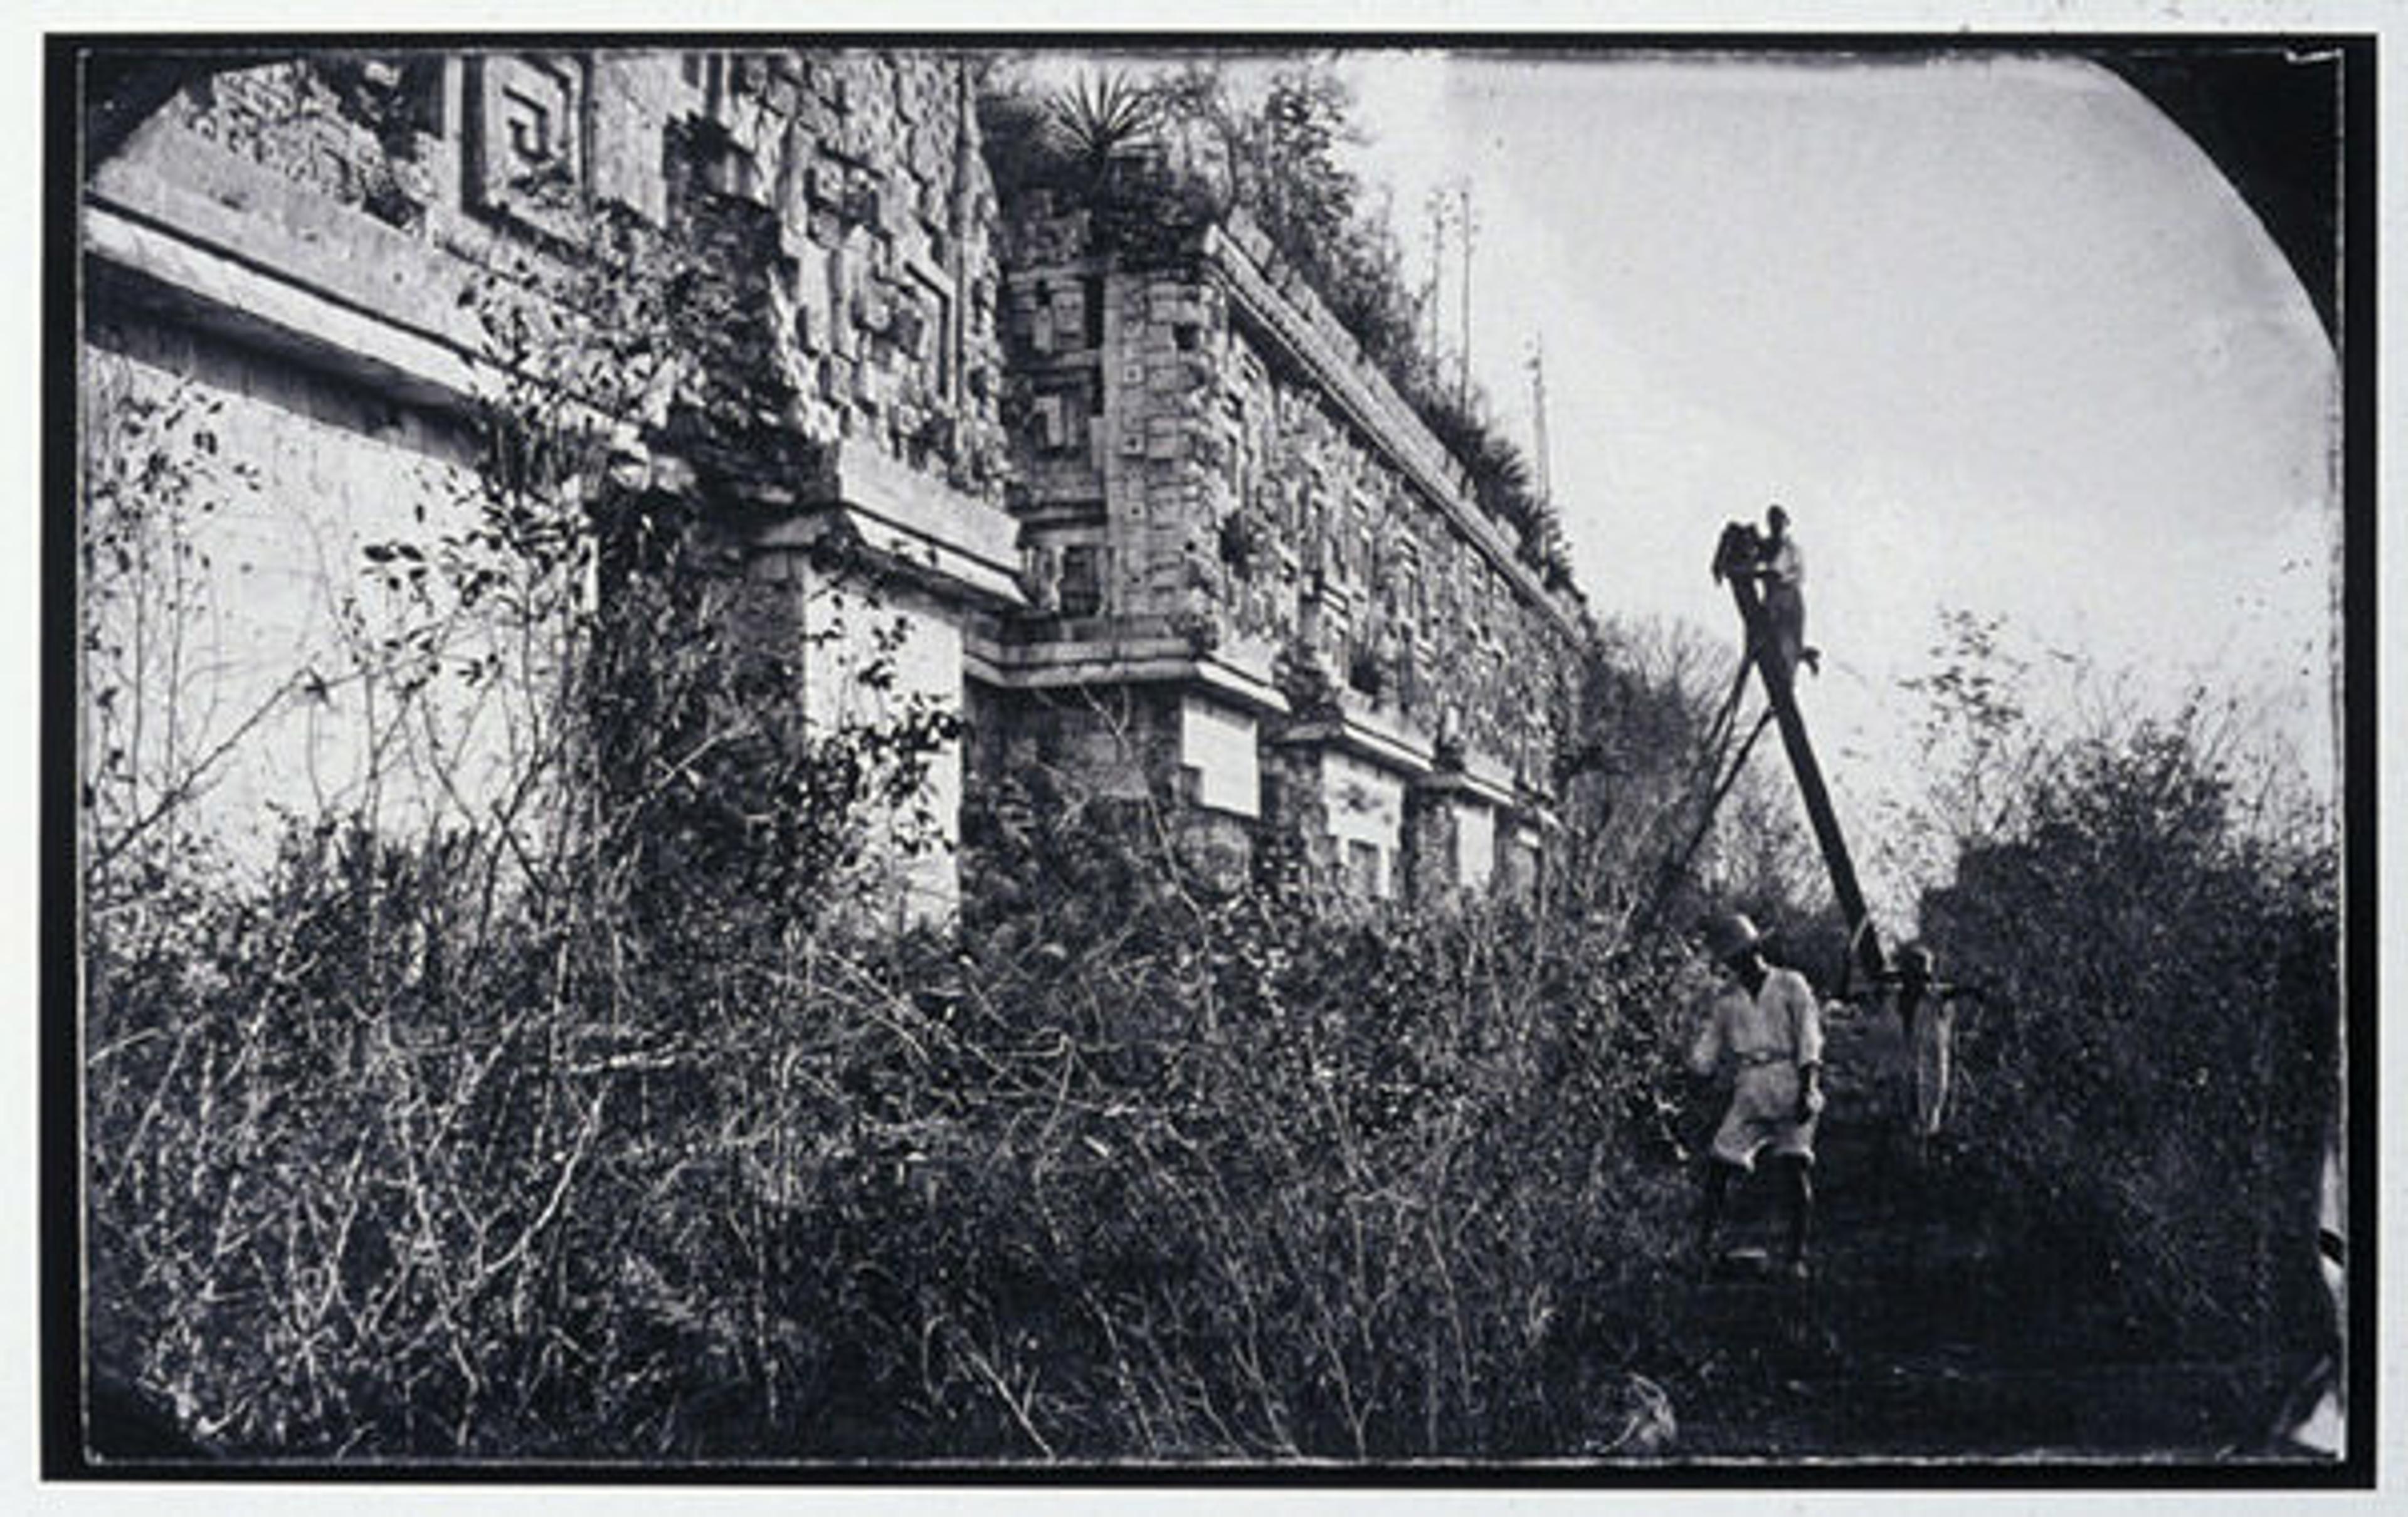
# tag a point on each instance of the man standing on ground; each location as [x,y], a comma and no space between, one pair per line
[1926,1009]
[1766,1021]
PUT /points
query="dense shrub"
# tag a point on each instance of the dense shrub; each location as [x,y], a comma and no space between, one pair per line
[2150,1083]
[1218,1183]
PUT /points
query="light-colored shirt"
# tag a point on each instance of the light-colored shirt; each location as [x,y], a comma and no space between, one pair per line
[1779,1022]
[1786,566]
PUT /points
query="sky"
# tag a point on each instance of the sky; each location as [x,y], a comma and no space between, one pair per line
[1996,332]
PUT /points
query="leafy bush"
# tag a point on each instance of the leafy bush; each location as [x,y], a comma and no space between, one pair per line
[373,1178]
[2151,1081]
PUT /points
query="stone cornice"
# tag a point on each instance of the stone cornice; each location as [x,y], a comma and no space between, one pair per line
[1499,794]
[1349,734]
[240,248]
[220,291]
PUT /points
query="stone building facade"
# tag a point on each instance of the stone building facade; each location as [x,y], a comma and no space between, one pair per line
[1219,494]
[1161,528]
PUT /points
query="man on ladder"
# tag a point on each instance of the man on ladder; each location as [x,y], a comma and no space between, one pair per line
[1773,561]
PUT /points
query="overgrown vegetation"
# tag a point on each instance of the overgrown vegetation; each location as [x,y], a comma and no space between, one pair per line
[2151,1082]
[588,1120]
[1213,1182]
[347,1113]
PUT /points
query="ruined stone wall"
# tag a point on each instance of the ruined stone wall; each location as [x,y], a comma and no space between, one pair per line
[880,276]
[1181,478]
[882,288]
[365,135]
[1187,467]
[239,649]
[293,242]
[919,655]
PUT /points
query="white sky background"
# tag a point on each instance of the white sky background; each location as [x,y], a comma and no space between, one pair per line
[1999,336]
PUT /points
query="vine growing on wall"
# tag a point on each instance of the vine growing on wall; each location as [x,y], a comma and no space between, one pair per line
[158,729]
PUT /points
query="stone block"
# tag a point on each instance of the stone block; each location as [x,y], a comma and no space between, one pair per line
[823,182]
[909,328]
[929,151]
[629,114]
[865,202]
[896,210]
[873,305]
[1070,305]
[872,386]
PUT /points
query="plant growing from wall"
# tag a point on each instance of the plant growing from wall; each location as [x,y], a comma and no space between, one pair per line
[1155,162]
[1099,118]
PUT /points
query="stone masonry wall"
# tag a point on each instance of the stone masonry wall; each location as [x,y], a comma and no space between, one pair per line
[879,294]
[240,639]
[289,243]
[1210,485]
[1186,475]
[884,292]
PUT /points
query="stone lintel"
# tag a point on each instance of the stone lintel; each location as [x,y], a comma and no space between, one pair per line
[1460,784]
[1530,814]
[909,521]
[286,262]
[1351,734]
[1068,268]
[1400,747]
[162,268]
[1046,512]
[1066,666]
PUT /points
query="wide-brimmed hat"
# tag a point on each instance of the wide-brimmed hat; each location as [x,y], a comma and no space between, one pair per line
[1733,934]
[1915,961]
